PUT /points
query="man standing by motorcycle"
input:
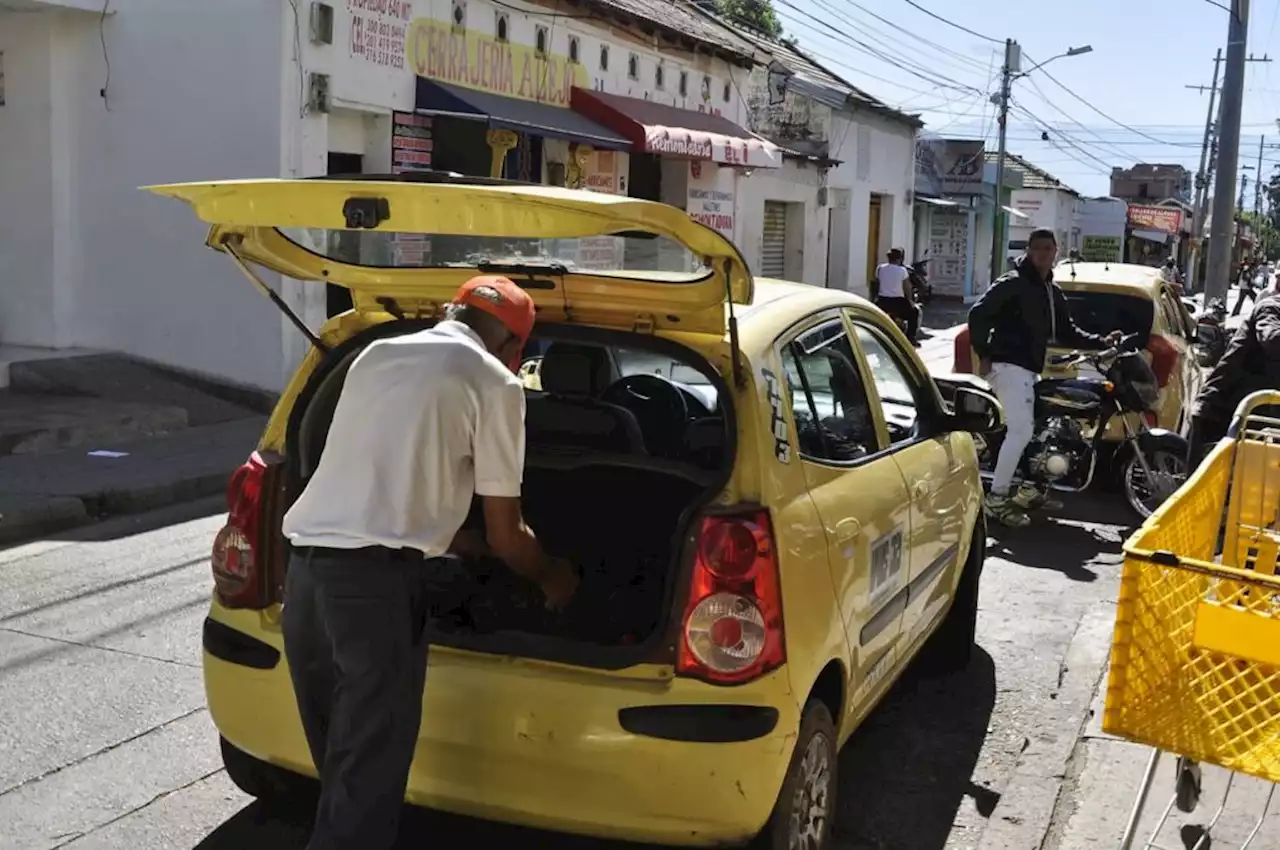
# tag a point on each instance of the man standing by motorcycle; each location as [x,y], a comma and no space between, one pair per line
[1250,363]
[1011,327]
[895,293]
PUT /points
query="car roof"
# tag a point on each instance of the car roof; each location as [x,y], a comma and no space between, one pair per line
[786,304]
[1140,280]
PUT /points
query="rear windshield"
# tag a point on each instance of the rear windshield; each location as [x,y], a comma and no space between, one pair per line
[1104,312]
[640,255]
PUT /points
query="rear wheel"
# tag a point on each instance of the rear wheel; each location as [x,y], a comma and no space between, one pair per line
[950,648]
[803,815]
[265,781]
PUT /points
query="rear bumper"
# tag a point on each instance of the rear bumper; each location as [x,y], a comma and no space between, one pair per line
[551,747]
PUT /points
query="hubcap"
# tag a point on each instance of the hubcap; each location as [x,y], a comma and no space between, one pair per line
[810,807]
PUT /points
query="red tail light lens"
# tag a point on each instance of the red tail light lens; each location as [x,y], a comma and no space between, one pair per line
[732,626]
[240,549]
[964,353]
[1164,358]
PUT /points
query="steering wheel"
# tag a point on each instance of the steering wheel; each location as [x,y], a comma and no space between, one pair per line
[659,406]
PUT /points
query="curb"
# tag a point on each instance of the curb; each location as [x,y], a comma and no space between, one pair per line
[1023,816]
[24,517]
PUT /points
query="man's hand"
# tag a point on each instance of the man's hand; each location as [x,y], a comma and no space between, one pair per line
[559,583]
[1114,338]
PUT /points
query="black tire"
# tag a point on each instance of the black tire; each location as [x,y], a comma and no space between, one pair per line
[950,648]
[817,733]
[266,782]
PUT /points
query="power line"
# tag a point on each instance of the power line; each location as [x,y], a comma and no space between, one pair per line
[1118,123]
[952,23]
[919,71]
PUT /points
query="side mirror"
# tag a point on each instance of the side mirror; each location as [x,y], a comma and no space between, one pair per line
[976,411]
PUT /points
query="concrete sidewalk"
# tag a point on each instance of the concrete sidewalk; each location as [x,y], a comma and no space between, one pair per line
[44,493]
[1102,783]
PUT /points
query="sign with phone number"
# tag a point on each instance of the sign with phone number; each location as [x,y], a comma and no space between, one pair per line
[379,29]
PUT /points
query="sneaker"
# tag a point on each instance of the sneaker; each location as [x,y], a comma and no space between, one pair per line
[1005,511]
[1032,497]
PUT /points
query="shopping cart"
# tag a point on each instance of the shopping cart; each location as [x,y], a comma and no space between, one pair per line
[1195,659]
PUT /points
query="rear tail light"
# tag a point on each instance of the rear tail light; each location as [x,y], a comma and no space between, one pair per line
[1164,358]
[245,549]
[732,626]
[964,354]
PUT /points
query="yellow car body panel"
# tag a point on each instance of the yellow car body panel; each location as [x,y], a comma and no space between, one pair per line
[540,744]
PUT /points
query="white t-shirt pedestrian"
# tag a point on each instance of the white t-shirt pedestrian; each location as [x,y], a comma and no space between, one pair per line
[894,280]
[424,421]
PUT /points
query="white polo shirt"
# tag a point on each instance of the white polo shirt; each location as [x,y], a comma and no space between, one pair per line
[894,280]
[424,421]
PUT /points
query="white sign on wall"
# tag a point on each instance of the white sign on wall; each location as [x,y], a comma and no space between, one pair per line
[711,196]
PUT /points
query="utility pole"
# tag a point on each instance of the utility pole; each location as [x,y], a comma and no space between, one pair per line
[1218,272]
[1244,184]
[1202,182]
[1257,200]
[999,242]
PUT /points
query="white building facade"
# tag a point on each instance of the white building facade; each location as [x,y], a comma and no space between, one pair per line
[95,105]
[843,196]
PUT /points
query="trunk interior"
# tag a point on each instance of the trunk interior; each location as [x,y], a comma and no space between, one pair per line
[609,490]
[618,525]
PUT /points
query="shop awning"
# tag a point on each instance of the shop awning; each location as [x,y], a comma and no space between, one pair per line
[1152,235]
[936,202]
[508,113]
[1015,212]
[670,131]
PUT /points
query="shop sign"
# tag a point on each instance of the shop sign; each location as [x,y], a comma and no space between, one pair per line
[1164,219]
[378,29]
[477,61]
[711,197]
[411,145]
[1100,249]
[600,174]
[949,166]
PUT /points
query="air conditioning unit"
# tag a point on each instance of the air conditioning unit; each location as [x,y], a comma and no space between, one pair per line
[321,23]
[318,92]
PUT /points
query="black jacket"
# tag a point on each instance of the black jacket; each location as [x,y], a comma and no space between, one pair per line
[1250,363]
[1019,316]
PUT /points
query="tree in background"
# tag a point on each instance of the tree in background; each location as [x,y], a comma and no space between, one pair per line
[754,14]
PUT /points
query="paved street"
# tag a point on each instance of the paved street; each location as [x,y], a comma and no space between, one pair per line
[104,742]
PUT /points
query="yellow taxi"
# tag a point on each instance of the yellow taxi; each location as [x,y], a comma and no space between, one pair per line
[1135,299]
[773,511]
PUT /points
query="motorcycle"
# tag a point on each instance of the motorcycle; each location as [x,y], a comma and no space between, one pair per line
[1211,332]
[919,273]
[1071,416]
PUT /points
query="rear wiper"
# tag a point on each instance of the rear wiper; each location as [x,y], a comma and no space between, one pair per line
[528,267]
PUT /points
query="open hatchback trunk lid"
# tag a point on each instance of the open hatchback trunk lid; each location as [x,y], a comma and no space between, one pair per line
[586,257]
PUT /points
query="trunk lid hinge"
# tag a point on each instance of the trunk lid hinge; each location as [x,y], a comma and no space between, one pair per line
[230,246]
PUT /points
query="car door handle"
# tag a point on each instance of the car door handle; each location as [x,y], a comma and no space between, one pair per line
[921,490]
[847,529]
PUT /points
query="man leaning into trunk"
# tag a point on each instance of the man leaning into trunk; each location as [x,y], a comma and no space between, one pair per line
[425,421]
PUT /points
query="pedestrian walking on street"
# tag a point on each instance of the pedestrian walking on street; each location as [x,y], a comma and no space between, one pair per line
[896,294]
[1012,326]
[1250,286]
[424,422]
[1250,363]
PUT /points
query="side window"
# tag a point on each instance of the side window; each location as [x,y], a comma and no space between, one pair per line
[894,383]
[828,398]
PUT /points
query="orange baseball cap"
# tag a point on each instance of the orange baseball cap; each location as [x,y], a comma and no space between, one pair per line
[508,303]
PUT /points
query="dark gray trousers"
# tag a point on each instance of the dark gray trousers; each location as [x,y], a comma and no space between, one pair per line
[355,639]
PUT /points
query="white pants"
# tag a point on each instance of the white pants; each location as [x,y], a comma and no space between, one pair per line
[1015,387]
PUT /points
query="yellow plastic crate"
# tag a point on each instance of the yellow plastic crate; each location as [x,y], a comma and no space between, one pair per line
[1195,659]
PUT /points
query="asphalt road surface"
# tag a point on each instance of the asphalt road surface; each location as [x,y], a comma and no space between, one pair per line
[105,743]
